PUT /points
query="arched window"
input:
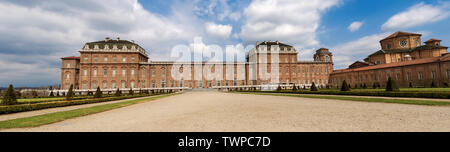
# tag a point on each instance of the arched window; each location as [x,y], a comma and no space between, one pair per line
[68,76]
[327,58]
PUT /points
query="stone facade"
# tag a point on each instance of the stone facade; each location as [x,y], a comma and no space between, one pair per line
[402,58]
[113,64]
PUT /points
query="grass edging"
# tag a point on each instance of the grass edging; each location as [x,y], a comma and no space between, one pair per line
[381,100]
[44,119]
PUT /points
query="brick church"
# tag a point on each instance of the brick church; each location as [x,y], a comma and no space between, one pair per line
[405,59]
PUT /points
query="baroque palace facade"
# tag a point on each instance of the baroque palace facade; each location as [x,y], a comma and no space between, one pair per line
[403,58]
[111,64]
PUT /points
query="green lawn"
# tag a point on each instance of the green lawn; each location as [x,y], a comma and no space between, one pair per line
[383,100]
[403,89]
[39,120]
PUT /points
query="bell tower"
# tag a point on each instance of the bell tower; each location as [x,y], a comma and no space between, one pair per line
[323,55]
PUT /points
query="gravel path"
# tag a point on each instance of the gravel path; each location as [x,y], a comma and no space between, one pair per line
[215,111]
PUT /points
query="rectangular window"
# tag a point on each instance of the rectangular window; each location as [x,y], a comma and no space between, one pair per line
[143,73]
[433,74]
[153,73]
[218,83]
[113,85]
[105,85]
[123,84]
[190,84]
[95,72]
[143,84]
[105,59]
[124,59]
[68,76]
[114,73]
[408,76]
[105,72]
[68,65]
[172,84]
[420,75]
[163,83]
[84,86]
[200,84]
[182,83]
[124,73]
[163,73]
[209,84]
[132,84]
[398,76]
[94,85]
[132,72]
[85,72]
[153,84]
[95,59]
[448,73]
[85,59]
[114,59]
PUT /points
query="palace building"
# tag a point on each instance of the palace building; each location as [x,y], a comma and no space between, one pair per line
[114,63]
[402,57]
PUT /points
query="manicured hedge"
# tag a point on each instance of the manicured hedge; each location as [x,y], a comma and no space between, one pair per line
[45,105]
[438,95]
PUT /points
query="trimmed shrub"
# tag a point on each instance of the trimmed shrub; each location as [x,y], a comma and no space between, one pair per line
[98,93]
[54,104]
[410,85]
[313,87]
[57,93]
[294,88]
[51,94]
[391,86]
[374,86]
[118,92]
[10,97]
[364,86]
[69,93]
[131,92]
[279,88]
[433,85]
[345,86]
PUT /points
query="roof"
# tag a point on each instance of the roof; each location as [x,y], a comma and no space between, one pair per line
[269,43]
[397,64]
[432,40]
[323,50]
[420,48]
[400,33]
[71,57]
[110,43]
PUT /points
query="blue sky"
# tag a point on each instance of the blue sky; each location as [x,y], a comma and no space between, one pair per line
[36,34]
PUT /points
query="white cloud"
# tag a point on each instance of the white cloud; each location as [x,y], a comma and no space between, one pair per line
[347,53]
[355,26]
[39,33]
[290,21]
[418,14]
[218,30]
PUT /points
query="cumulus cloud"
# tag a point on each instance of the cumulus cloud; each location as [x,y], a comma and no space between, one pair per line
[347,53]
[218,30]
[355,26]
[418,14]
[36,34]
[291,21]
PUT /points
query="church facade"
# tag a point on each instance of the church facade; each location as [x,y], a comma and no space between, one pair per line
[405,59]
[114,63]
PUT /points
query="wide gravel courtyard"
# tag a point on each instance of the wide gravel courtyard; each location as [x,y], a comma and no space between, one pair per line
[216,111]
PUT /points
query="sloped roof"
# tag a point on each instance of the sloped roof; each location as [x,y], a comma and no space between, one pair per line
[110,43]
[432,40]
[400,33]
[397,64]
[71,57]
